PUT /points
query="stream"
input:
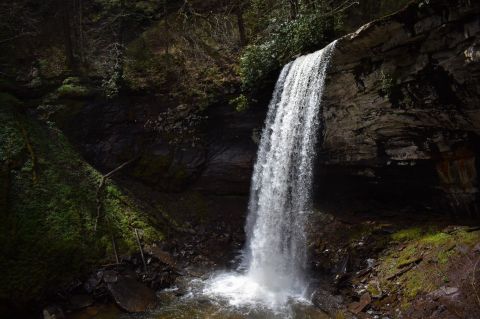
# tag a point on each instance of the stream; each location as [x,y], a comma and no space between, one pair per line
[197,304]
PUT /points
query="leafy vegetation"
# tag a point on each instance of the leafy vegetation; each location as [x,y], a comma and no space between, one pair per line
[424,259]
[72,88]
[193,52]
[308,26]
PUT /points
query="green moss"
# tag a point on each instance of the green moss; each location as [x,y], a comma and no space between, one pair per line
[373,290]
[424,279]
[386,83]
[407,234]
[467,238]
[72,88]
[444,256]
[240,103]
[47,231]
[436,238]
[420,262]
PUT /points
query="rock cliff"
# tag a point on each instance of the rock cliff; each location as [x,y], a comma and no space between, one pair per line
[401,110]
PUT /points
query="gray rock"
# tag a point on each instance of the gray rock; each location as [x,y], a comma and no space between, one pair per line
[327,302]
[53,312]
[92,282]
[445,292]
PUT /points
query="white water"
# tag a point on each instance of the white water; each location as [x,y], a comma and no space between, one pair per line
[280,197]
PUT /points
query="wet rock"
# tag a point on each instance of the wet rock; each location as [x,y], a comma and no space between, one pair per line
[162,255]
[327,302]
[131,295]
[183,285]
[53,312]
[163,280]
[80,301]
[167,296]
[92,282]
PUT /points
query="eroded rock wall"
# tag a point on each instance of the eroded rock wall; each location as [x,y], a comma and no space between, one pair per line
[401,110]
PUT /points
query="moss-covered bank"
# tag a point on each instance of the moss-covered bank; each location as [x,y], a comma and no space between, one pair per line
[48,211]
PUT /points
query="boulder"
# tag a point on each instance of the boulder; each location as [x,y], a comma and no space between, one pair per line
[53,312]
[92,282]
[131,295]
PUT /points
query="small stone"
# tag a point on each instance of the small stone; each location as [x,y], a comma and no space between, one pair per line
[370,262]
[53,312]
[450,290]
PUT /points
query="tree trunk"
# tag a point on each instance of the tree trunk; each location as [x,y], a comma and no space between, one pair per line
[241,27]
[167,27]
[293,9]
[4,187]
[121,41]
[67,35]
[81,48]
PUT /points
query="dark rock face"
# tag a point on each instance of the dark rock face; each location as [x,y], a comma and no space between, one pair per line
[326,301]
[110,133]
[401,110]
[80,301]
[131,295]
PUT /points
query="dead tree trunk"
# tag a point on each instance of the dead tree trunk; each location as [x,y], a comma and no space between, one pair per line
[101,186]
[241,27]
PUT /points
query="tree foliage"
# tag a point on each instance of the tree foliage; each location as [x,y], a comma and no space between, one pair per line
[194,50]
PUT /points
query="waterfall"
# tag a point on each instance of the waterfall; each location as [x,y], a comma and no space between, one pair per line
[280,196]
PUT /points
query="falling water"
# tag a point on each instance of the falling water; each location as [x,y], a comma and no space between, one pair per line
[280,196]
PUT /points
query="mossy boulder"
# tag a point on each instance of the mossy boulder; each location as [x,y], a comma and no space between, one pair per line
[73,88]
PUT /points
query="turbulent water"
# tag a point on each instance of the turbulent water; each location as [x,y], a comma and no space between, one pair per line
[280,197]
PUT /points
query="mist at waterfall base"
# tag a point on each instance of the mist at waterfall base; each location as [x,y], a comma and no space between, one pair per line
[275,256]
